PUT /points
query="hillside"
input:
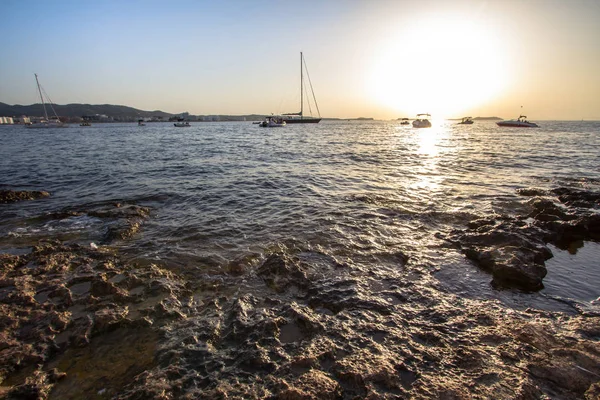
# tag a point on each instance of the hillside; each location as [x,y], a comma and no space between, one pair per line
[74,112]
[78,110]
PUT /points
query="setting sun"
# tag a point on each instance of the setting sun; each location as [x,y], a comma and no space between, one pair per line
[443,66]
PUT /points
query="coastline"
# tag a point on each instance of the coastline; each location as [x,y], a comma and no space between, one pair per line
[81,321]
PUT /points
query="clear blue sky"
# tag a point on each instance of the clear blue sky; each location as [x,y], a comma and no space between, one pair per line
[383,59]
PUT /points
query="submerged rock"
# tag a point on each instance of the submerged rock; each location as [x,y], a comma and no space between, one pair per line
[12,196]
[513,248]
[79,322]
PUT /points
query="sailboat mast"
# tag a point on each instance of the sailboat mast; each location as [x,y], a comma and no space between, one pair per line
[301,89]
[41,97]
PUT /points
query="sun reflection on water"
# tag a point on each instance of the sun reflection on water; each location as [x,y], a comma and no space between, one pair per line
[429,150]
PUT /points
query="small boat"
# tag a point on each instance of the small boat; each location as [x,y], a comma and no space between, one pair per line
[422,121]
[141,122]
[53,122]
[182,124]
[404,121]
[85,123]
[272,122]
[299,118]
[466,121]
[520,122]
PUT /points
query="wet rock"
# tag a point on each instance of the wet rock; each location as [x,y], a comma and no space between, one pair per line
[109,318]
[547,210]
[122,230]
[577,198]
[12,196]
[313,384]
[280,272]
[530,192]
[514,249]
[36,387]
[123,221]
[119,211]
[593,393]
[60,296]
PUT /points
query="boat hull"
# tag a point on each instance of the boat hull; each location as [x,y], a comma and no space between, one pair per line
[303,120]
[421,124]
[272,125]
[516,124]
[46,126]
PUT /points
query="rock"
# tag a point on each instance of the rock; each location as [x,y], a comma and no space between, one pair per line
[313,384]
[36,387]
[280,272]
[12,196]
[515,250]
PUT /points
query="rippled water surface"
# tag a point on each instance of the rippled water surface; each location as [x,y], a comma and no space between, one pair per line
[365,191]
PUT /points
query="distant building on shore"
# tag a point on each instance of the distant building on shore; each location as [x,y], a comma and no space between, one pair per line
[6,121]
[23,119]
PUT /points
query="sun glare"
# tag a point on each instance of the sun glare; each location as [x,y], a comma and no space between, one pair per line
[442,66]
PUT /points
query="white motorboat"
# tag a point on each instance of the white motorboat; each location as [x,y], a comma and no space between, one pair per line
[520,122]
[53,122]
[272,122]
[422,121]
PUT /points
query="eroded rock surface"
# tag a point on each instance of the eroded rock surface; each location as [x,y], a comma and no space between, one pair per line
[514,248]
[348,333]
[61,296]
[12,196]
[296,323]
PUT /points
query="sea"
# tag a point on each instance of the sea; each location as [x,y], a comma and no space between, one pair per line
[370,192]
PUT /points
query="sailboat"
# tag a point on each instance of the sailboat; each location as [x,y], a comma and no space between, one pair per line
[47,122]
[299,118]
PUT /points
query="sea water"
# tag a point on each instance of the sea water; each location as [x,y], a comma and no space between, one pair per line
[362,191]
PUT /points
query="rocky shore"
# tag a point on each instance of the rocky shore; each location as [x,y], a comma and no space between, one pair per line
[78,321]
[514,248]
[12,196]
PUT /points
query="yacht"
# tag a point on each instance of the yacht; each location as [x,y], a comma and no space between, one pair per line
[272,122]
[299,117]
[422,121]
[520,122]
[52,122]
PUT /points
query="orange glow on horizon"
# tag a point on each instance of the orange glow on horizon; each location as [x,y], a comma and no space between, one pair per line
[442,66]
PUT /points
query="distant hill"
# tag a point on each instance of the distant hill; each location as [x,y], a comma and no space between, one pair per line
[479,119]
[78,110]
[114,112]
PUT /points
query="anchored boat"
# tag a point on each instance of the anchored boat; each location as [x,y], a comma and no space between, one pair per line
[272,122]
[520,122]
[422,121]
[299,118]
[53,122]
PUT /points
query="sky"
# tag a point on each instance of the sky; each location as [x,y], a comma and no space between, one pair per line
[383,59]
